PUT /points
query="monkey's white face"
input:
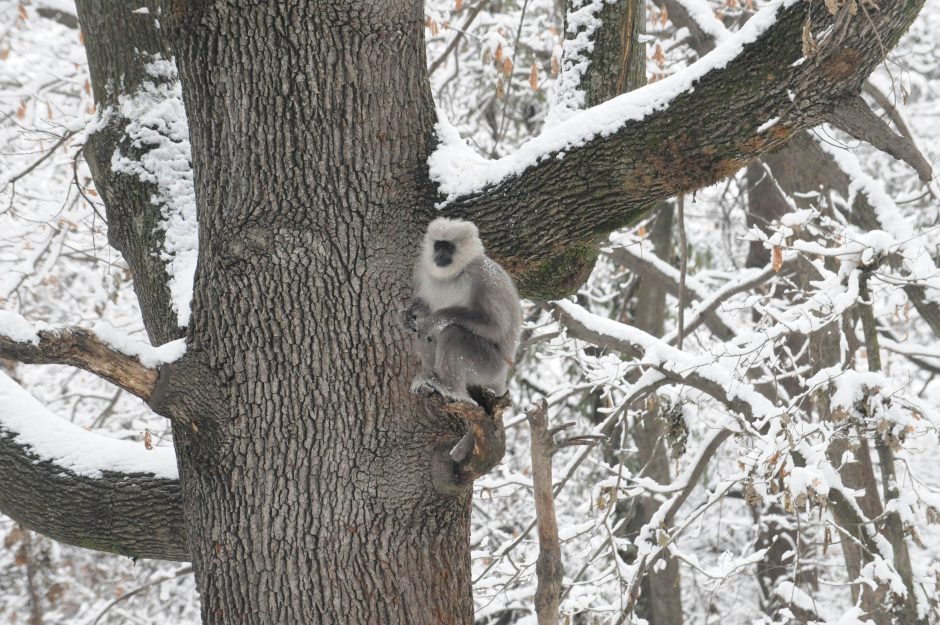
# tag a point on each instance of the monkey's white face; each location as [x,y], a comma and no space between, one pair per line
[449,245]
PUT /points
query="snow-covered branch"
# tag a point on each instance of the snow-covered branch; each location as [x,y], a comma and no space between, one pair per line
[110,355]
[84,488]
[609,165]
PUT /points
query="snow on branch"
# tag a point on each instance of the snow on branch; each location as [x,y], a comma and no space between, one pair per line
[544,210]
[104,351]
[157,129]
[459,170]
[872,207]
[703,373]
[72,448]
[109,495]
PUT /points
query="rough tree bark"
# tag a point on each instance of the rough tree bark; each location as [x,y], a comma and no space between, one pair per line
[119,44]
[307,470]
[306,464]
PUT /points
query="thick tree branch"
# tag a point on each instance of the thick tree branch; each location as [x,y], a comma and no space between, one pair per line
[120,43]
[564,204]
[82,348]
[139,516]
[85,489]
[852,115]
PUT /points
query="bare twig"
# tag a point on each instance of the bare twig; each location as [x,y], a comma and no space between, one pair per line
[458,37]
[186,570]
[548,567]
[39,161]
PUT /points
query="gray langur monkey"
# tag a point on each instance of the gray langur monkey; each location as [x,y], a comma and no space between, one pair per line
[465,313]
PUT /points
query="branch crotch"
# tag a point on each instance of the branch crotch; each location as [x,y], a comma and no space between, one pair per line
[190,394]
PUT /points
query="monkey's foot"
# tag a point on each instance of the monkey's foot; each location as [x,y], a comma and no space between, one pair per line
[428,385]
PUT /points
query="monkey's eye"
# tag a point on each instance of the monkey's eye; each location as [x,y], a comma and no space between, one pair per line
[428,338]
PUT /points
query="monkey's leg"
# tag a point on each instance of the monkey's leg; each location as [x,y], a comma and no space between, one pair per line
[425,348]
[489,368]
[454,360]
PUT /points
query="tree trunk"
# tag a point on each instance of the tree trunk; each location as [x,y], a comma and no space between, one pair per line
[305,463]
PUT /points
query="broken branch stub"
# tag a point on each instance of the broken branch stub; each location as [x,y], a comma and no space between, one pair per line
[455,465]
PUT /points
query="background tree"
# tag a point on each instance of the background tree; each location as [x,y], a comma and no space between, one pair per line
[310,484]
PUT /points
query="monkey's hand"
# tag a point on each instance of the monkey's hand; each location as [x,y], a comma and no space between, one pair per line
[412,316]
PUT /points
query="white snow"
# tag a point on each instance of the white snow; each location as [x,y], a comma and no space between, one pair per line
[567,95]
[459,170]
[705,18]
[14,326]
[52,439]
[148,355]
[157,120]
[767,125]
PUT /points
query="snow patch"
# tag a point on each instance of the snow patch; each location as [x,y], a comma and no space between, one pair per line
[85,453]
[15,327]
[148,355]
[157,122]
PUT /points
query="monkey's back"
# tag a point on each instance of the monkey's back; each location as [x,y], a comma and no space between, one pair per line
[496,297]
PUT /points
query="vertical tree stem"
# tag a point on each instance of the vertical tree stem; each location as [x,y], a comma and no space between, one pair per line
[683,266]
[893,526]
[548,567]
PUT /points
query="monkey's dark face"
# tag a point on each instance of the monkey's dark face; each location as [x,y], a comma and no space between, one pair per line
[444,253]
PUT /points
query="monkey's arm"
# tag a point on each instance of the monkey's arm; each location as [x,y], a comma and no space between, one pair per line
[414,315]
[474,320]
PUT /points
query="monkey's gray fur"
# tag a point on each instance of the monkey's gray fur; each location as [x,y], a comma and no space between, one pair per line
[465,313]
